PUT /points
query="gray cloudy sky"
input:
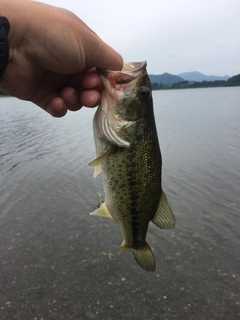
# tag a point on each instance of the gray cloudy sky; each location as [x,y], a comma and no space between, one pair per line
[174,36]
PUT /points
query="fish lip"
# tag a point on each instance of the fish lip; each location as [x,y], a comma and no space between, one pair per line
[134,67]
[129,72]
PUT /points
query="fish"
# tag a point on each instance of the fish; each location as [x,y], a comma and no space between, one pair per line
[129,157]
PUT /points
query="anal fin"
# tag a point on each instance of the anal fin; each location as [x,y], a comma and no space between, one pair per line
[102,211]
[164,217]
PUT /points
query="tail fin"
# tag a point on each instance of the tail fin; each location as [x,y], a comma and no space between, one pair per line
[143,256]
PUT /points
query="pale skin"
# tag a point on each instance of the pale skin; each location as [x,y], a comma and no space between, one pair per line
[53,57]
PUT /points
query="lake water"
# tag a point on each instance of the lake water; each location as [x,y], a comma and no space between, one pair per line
[59,263]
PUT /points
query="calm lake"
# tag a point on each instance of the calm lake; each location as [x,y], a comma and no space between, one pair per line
[59,263]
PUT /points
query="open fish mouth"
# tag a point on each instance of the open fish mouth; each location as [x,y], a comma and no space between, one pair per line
[134,67]
[129,72]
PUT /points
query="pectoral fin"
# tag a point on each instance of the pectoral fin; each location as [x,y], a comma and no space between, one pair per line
[164,217]
[100,159]
[101,211]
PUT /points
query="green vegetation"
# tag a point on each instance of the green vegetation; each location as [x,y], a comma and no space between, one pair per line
[233,81]
[100,264]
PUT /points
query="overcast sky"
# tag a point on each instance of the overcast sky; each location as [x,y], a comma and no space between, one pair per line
[174,36]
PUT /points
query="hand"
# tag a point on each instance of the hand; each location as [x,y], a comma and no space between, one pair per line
[53,57]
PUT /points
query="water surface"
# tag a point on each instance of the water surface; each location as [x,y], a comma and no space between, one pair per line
[57,262]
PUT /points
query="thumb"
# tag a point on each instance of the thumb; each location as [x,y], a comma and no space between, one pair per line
[101,55]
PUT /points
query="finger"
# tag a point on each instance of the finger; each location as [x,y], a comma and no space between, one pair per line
[92,80]
[71,99]
[109,59]
[101,55]
[90,98]
[56,107]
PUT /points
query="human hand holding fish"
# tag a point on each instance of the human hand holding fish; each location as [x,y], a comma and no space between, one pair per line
[53,56]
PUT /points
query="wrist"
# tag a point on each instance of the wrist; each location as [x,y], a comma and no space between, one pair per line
[16,13]
[4,47]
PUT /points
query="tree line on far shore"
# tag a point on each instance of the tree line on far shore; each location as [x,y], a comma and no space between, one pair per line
[233,81]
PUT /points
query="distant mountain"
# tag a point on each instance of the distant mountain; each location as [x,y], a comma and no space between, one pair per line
[233,81]
[197,76]
[165,78]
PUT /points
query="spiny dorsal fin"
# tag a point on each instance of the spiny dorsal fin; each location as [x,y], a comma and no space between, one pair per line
[164,217]
[104,156]
[143,256]
[102,211]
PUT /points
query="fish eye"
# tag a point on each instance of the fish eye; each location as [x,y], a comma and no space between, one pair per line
[144,92]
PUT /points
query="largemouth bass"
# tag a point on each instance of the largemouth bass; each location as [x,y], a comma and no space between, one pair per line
[128,154]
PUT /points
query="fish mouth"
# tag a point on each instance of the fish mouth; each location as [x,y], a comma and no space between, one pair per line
[129,72]
[134,67]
